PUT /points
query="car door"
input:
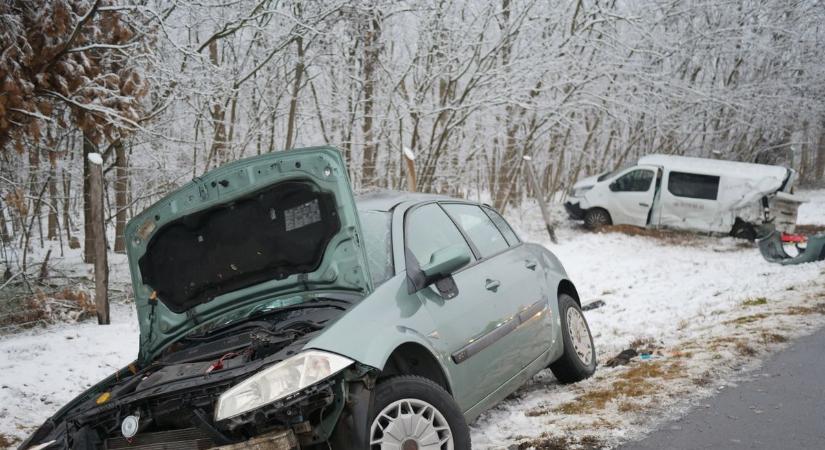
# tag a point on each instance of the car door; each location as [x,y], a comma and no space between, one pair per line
[511,270]
[530,291]
[632,196]
[462,321]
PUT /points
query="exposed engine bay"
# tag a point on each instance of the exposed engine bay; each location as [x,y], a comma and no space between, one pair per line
[171,402]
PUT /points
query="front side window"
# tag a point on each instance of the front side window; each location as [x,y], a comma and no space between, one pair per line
[376,226]
[691,185]
[486,237]
[638,180]
[429,229]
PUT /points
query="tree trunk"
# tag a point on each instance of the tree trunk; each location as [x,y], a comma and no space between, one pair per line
[537,192]
[53,225]
[370,62]
[67,203]
[4,232]
[88,242]
[819,165]
[98,235]
[296,88]
[121,191]
[218,112]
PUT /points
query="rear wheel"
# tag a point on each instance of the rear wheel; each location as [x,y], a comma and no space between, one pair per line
[596,218]
[579,359]
[743,230]
[413,413]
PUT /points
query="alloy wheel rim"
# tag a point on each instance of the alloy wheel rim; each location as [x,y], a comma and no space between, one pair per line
[410,424]
[579,335]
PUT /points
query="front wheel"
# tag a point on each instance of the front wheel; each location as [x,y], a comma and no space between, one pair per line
[414,413]
[596,218]
[579,359]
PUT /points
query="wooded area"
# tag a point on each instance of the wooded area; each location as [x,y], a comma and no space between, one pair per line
[167,90]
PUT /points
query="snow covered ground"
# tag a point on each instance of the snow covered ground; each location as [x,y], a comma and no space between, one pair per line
[707,306]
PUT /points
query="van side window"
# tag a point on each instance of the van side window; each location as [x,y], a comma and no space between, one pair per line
[693,185]
[635,181]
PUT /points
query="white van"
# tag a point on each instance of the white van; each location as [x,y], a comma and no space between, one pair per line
[681,192]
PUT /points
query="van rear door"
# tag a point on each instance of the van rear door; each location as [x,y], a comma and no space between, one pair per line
[632,195]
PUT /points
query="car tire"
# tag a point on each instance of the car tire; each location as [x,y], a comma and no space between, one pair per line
[574,364]
[596,218]
[413,395]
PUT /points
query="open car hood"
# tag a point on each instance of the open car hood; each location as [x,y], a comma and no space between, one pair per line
[243,234]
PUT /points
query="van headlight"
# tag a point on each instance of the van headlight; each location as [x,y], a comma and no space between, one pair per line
[578,192]
[278,381]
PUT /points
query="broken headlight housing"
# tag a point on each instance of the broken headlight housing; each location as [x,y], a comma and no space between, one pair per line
[579,192]
[279,381]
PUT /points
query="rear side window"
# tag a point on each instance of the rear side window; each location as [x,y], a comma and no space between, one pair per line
[429,229]
[484,235]
[634,181]
[502,226]
[691,185]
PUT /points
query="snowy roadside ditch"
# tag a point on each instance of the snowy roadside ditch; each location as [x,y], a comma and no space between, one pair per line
[698,310]
[701,309]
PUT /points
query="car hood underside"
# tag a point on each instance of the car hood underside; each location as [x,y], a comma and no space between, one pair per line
[245,233]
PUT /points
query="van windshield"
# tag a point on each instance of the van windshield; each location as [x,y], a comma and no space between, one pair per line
[612,173]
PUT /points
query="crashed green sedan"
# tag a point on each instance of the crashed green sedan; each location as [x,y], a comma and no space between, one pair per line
[277,311]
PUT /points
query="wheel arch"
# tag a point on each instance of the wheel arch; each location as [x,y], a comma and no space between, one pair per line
[412,358]
[567,287]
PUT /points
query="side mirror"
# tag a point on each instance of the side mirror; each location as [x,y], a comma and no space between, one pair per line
[614,186]
[437,271]
[445,261]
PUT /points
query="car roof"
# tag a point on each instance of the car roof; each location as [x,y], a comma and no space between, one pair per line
[715,166]
[386,200]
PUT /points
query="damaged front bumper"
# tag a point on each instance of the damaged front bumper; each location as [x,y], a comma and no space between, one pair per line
[574,210]
[333,410]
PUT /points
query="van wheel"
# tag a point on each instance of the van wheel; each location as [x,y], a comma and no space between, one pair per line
[743,230]
[411,412]
[596,218]
[579,359]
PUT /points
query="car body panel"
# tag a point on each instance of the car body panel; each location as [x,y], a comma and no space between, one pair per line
[343,266]
[444,326]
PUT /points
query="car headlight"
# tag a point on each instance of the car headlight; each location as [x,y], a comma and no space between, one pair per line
[278,381]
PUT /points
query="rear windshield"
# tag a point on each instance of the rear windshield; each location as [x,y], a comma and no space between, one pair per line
[376,226]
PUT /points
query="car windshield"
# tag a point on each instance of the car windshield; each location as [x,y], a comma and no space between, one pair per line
[378,243]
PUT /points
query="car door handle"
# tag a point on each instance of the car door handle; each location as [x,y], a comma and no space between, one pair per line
[492,285]
[530,264]
[644,204]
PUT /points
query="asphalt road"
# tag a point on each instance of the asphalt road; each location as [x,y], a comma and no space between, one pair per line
[780,406]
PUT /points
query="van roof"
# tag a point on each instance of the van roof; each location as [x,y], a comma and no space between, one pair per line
[715,166]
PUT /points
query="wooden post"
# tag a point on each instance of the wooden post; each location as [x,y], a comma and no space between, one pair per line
[409,158]
[531,178]
[98,228]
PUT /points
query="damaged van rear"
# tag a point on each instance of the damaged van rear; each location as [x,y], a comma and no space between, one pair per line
[679,192]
